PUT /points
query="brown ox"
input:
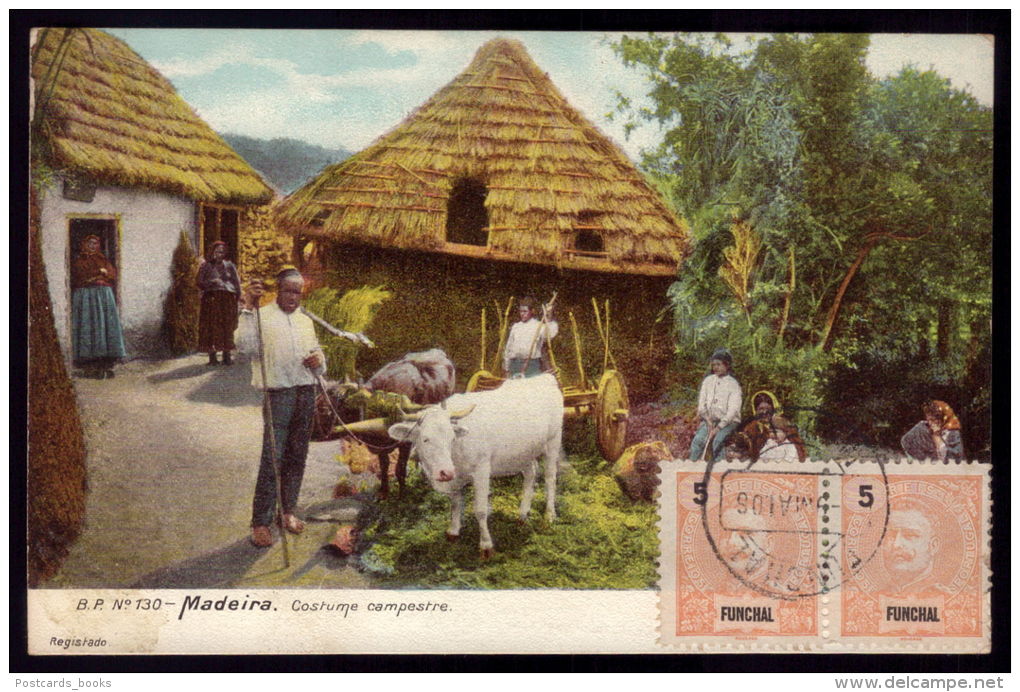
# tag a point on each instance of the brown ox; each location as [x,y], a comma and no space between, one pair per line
[424,377]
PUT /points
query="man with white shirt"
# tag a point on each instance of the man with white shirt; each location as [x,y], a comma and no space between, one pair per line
[718,407]
[528,341]
[293,360]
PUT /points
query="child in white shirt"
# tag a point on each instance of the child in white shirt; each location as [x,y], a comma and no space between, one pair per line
[777,447]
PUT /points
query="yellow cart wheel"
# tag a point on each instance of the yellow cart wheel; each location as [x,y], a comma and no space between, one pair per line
[612,407]
[483,381]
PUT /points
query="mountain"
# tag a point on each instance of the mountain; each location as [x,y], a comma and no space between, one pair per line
[286,163]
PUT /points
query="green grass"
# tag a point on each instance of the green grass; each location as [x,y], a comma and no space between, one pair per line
[600,539]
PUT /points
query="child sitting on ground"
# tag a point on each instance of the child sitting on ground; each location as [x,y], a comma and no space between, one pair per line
[738,447]
[778,447]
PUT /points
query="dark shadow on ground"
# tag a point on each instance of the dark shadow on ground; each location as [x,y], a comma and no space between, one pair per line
[181,373]
[225,385]
[218,569]
[229,386]
[328,558]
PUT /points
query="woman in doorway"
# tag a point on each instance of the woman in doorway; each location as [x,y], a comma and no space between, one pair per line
[95,324]
[221,289]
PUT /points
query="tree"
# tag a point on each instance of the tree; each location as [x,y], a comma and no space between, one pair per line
[871,200]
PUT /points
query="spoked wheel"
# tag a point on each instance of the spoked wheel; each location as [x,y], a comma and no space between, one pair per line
[612,408]
[483,381]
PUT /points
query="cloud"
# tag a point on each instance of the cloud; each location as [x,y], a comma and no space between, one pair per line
[234,53]
[433,52]
[255,114]
[424,44]
[966,59]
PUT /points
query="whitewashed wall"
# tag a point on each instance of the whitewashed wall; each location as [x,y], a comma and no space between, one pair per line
[149,227]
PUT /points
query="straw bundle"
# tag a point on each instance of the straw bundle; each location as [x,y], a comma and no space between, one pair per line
[352,311]
[112,118]
[547,172]
[57,480]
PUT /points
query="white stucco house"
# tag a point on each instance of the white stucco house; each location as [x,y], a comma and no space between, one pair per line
[117,153]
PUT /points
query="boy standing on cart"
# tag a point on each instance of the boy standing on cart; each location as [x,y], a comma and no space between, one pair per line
[527,346]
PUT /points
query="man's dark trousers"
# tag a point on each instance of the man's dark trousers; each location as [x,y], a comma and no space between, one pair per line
[293,411]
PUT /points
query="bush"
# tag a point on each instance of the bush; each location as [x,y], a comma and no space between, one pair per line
[877,397]
[180,311]
[353,312]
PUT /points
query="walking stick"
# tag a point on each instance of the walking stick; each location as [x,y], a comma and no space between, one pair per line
[267,417]
[708,443]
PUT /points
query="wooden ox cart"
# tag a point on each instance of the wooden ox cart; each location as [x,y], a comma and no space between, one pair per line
[607,404]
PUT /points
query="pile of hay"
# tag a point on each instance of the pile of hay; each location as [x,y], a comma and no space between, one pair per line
[353,311]
[183,301]
[56,445]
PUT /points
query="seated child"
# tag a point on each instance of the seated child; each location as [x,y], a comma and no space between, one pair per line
[779,447]
[738,447]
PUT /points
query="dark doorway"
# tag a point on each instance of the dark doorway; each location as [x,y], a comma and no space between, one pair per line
[228,232]
[219,223]
[210,229]
[105,229]
[466,217]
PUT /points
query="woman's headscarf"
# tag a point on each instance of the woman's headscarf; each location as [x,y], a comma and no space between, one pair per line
[769,395]
[212,249]
[942,411]
[85,242]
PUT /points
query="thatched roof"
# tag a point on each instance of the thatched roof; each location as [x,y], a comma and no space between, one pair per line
[548,174]
[112,118]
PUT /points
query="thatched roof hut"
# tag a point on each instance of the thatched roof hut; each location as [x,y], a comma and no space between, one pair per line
[117,153]
[110,117]
[496,165]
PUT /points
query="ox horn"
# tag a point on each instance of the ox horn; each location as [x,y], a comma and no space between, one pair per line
[372,425]
[454,415]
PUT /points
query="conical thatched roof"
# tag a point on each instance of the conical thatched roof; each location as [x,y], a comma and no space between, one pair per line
[548,175]
[112,118]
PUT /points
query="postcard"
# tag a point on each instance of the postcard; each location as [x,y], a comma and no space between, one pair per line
[387,341]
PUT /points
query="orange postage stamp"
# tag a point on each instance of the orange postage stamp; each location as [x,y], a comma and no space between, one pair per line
[858,555]
[925,580]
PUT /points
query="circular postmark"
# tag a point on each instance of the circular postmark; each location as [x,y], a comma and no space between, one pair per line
[777,531]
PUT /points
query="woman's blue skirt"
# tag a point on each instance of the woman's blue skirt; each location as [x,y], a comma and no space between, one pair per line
[95,324]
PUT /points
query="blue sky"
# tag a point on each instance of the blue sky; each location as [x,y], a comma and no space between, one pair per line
[345,88]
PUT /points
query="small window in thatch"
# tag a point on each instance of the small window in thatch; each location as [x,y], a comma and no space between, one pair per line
[588,241]
[466,217]
[320,219]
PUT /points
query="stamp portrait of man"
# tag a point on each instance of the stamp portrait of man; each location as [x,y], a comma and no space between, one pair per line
[912,542]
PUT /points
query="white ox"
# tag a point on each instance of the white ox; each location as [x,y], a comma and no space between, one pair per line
[504,433]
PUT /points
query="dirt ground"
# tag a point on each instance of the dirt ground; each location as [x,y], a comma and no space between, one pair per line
[173,449]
